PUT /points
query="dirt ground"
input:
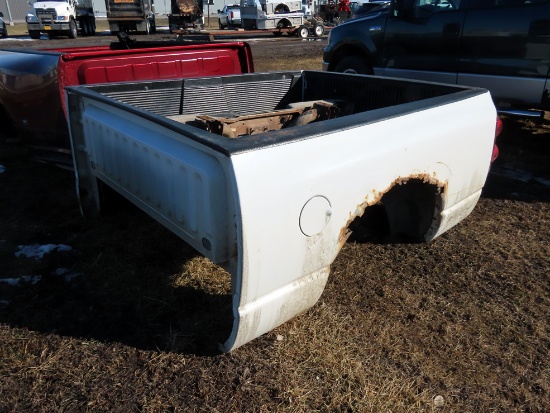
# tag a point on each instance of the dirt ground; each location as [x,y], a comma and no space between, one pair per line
[461,324]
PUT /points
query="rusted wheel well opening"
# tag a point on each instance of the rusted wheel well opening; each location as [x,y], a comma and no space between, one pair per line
[404,214]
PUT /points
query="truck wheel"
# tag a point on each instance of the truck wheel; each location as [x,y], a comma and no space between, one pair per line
[84,28]
[5,33]
[73,31]
[303,32]
[354,64]
[220,24]
[153,25]
[87,27]
[318,30]
[34,34]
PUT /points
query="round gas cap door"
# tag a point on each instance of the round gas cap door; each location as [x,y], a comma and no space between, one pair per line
[315,215]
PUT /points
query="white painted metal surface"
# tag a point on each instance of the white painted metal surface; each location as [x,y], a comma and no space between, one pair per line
[282,271]
[277,217]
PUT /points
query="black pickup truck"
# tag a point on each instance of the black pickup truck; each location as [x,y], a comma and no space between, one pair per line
[500,45]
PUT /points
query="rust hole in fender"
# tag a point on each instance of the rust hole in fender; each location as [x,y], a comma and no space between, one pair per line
[404,212]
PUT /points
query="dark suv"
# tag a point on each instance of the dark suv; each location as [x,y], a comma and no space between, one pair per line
[500,45]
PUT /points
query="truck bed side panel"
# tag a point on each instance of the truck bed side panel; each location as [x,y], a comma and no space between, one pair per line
[153,64]
[178,184]
[294,225]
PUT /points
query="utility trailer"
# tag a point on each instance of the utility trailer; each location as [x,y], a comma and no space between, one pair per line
[280,17]
[264,173]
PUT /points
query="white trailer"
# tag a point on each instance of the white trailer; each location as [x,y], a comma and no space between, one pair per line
[282,17]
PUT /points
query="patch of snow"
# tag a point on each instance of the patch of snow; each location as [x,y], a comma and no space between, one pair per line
[518,175]
[33,279]
[17,39]
[542,181]
[38,251]
[10,281]
[65,273]
[29,279]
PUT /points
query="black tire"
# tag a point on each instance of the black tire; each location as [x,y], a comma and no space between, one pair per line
[153,25]
[84,28]
[354,64]
[34,34]
[5,33]
[220,25]
[88,25]
[73,30]
[318,30]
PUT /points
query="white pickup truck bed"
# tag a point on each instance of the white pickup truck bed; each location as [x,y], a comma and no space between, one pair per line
[273,207]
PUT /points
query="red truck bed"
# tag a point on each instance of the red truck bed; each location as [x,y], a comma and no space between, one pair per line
[33,81]
[102,64]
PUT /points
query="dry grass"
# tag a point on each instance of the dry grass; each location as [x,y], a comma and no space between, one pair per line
[304,63]
[465,317]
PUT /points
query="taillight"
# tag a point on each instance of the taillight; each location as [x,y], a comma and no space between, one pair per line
[498,131]
[231,14]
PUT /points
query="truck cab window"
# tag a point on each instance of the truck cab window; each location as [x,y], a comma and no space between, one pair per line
[497,4]
[425,8]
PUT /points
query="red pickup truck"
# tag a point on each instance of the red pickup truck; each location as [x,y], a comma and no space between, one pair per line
[32,82]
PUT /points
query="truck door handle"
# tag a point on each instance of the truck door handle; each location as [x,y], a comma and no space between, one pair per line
[451,30]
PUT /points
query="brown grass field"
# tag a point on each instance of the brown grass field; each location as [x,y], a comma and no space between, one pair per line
[460,324]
